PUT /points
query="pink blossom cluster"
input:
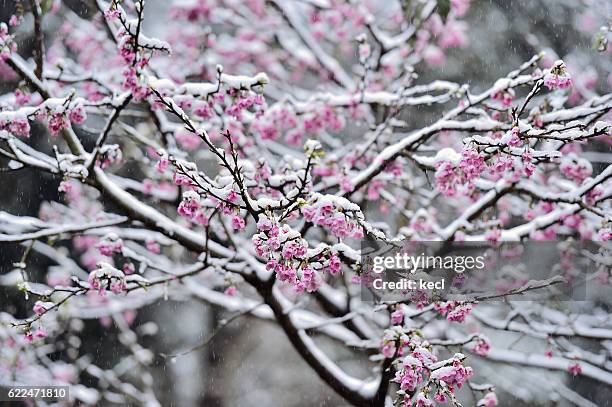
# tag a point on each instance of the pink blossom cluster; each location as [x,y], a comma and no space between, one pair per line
[414,356]
[7,45]
[575,168]
[40,333]
[337,220]
[285,251]
[505,97]
[557,81]
[558,77]
[107,277]
[194,11]
[110,245]
[17,125]
[244,101]
[575,369]
[337,23]
[454,375]
[109,154]
[449,177]
[482,347]
[414,361]
[60,116]
[455,311]
[191,207]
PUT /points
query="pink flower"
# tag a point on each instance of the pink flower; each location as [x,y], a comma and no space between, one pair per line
[460,313]
[19,127]
[575,168]
[554,81]
[472,164]
[238,223]
[456,311]
[187,140]
[189,205]
[440,397]
[203,110]
[346,184]
[310,280]
[397,317]
[39,308]
[605,234]
[28,337]
[364,50]
[153,246]
[232,196]
[40,333]
[294,137]
[108,248]
[22,98]
[335,265]
[447,178]
[422,401]
[162,164]
[514,139]
[454,375]
[558,77]
[388,350]
[77,115]
[453,35]
[128,268]
[264,224]
[593,195]
[528,165]
[117,286]
[201,218]
[109,245]
[230,291]
[180,179]
[482,347]
[575,369]
[65,186]
[57,122]
[489,400]
[112,14]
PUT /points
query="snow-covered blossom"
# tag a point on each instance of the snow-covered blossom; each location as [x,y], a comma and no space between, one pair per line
[482,347]
[189,205]
[576,168]
[575,369]
[558,77]
[41,307]
[106,277]
[455,311]
[454,375]
[338,215]
[489,400]
[110,245]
